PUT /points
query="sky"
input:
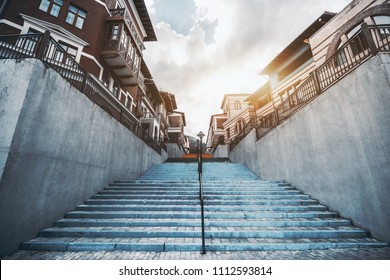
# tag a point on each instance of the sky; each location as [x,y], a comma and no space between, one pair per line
[209,48]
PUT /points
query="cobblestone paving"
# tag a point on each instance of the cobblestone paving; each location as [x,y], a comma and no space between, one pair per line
[331,254]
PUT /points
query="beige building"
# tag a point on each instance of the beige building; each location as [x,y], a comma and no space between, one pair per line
[290,68]
[239,115]
[323,53]
[216,133]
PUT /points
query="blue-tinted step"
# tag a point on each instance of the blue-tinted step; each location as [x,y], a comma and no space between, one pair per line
[197,215]
[178,233]
[197,223]
[209,208]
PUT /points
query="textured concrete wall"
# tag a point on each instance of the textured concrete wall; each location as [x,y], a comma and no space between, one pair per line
[57,150]
[174,151]
[222,151]
[337,148]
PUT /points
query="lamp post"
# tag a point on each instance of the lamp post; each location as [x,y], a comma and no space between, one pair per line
[201,135]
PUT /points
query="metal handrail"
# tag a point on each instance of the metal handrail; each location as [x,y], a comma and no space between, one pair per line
[201,196]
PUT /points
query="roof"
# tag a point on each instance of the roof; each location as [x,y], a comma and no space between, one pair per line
[263,90]
[150,84]
[217,115]
[296,44]
[147,23]
[169,100]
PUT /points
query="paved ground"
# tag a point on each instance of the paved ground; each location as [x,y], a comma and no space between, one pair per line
[331,254]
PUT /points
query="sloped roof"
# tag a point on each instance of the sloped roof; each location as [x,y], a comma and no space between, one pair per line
[150,84]
[147,23]
[296,44]
[169,101]
[263,90]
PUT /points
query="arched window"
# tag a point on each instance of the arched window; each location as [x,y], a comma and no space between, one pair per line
[379,20]
[237,105]
[383,20]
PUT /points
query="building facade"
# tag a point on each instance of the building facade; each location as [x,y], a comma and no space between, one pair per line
[239,114]
[323,53]
[105,37]
[216,132]
[289,68]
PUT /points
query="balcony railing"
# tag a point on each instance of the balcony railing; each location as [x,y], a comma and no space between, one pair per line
[124,15]
[46,49]
[364,44]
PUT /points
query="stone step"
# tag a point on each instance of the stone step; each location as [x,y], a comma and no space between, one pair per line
[193,244]
[178,232]
[195,187]
[197,215]
[197,223]
[160,211]
[195,196]
[141,191]
[242,183]
[186,200]
[221,207]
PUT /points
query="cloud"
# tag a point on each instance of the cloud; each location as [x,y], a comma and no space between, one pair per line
[210,48]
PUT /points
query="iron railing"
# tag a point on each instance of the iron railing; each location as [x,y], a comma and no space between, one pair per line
[46,49]
[366,43]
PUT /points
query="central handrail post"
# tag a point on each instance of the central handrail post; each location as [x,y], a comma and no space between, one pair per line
[201,198]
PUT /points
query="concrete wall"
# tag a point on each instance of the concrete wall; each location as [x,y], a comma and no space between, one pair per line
[222,151]
[174,150]
[57,149]
[337,148]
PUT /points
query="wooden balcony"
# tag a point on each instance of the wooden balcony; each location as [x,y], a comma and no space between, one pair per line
[118,59]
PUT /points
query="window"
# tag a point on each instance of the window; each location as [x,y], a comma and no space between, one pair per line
[341,57]
[379,20]
[124,41]
[106,78]
[228,133]
[240,126]
[384,31]
[52,7]
[358,43]
[113,32]
[116,89]
[129,102]
[76,16]
[237,105]
[136,64]
[29,44]
[60,57]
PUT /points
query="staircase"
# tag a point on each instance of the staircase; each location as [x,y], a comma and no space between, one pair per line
[160,211]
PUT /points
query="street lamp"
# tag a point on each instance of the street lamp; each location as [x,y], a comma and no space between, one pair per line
[201,135]
[200,148]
